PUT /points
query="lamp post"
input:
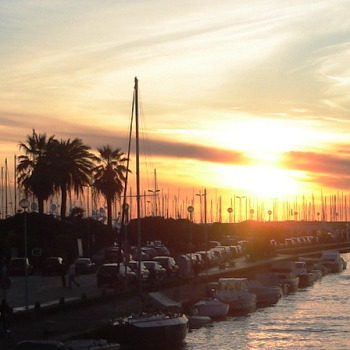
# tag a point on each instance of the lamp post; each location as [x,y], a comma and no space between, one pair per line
[24,204]
[204,195]
[154,194]
[190,210]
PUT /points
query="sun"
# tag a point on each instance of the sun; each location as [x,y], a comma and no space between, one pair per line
[261,180]
[268,181]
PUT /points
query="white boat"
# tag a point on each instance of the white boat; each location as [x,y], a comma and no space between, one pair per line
[210,307]
[306,277]
[333,261]
[144,329]
[283,273]
[266,295]
[234,291]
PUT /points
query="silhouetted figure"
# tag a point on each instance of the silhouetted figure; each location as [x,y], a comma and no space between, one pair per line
[5,311]
[71,276]
[63,275]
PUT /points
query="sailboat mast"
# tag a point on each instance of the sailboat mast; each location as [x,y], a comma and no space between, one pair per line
[138,191]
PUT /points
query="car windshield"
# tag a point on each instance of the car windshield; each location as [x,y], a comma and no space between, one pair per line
[17,262]
[52,260]
[83,261]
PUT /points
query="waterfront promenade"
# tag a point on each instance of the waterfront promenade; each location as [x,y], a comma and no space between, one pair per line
[67,311]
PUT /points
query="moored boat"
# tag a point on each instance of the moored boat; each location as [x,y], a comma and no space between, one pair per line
[265,295]
[210,307]
[333,261]
[306,278]
[234,291]
[284,273]
[146,330]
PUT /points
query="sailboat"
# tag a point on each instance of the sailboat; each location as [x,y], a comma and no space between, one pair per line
[144,329]
[211,306]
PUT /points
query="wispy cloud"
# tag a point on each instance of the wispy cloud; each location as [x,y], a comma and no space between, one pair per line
[326,170]
[67,68]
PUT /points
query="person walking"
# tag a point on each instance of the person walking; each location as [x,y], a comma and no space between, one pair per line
[71,276]
[63,274]
[5,311]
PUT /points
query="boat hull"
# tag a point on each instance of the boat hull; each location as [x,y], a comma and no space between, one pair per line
[150,333]
[211,308]
[266,295]
[334,267]
[240,303]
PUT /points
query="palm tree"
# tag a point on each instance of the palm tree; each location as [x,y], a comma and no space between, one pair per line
[33,173]
[109,176]
[71,165]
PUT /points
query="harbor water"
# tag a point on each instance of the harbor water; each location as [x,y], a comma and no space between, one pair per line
[316,317]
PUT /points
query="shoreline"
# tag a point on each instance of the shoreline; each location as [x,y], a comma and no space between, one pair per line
[77,317]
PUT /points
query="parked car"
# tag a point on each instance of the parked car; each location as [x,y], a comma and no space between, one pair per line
[53,265]
[18,266]
[107,255]
[185,265]
[114,275]
[159,247]
[84,266]
[206,256]
[156,270]
[169,264]
[198,263]
[144,271]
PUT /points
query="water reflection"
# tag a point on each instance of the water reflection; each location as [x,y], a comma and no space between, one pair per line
[317,317]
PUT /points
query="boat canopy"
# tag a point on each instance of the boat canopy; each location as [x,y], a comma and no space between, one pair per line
[234,284]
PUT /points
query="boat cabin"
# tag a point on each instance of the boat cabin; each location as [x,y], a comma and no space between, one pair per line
[233,284]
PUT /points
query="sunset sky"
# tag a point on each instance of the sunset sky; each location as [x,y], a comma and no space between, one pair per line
[247,97]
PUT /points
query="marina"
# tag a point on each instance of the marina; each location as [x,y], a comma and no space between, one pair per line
[204,206]
[315,317]
[98,310]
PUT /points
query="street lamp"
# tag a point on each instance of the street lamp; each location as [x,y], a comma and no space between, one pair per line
[154,193]
[204,195]
[190,210]
[24,204]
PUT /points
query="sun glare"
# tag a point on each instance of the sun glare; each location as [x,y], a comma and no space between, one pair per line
[260,180]
[261,136]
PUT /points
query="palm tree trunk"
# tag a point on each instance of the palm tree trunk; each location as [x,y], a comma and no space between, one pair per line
[109,212]
[41,205]
[63,201]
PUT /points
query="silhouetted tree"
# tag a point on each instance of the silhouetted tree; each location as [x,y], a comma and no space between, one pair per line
[34,175]
[71,163]
[109,176]
[77,213]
